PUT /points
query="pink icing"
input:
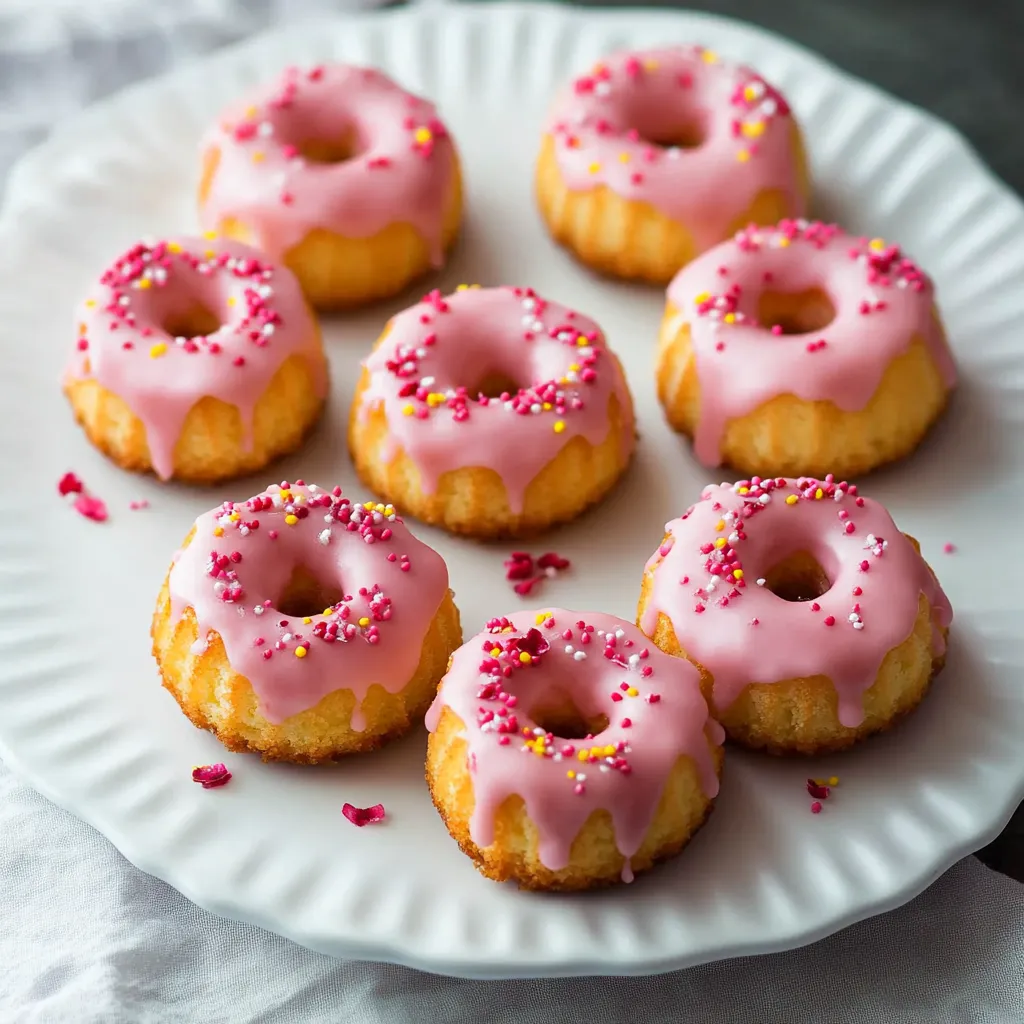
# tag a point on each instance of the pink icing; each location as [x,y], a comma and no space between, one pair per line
[123,345]
[435,353]
[401,171]
[881,299]
[607,126]
[708,580]
[241,559]
[653,704]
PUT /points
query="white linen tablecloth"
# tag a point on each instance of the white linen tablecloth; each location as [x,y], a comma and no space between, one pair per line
[86,938]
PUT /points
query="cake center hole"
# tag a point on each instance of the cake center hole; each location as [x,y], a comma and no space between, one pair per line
[800,577]
[495,384]
[796,312]
[194,322]
[306,595]
[560,716]
[329,151]
[688,134]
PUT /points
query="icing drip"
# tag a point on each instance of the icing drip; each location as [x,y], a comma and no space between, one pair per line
[652,702]
[425,372]
[124,346]
[608,128]
[708,579]
[242,558]
[882,301]
[399,171]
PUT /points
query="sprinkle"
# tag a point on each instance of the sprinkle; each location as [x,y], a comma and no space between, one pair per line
[559,426]
[817,790]
[300,652]
[948,548]
[210,776]
[816,808]
[833,780]
[69,484]
[361,816]
[158,350]
[138,504]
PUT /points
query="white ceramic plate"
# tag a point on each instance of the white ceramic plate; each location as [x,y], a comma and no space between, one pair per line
[82,716]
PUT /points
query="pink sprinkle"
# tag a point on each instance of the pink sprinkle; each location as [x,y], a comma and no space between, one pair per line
[816,807]
[830,620]
[210,776]
[138,503]
[272,534]
[524,587]
[363,815]
[948,548]
[91,508]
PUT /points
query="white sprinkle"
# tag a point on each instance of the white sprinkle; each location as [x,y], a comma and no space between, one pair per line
[324,537]
[634,660]
[760,582]
[258,610]
[619,634]
[569,648]
[858,625]
[265,130]
[602,89]
[580,656]
[268,330]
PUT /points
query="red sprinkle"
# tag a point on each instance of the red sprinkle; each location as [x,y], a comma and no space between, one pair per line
[69,484]
[210,776]
[363,815]
[816,790]
[91,508]
[816,808]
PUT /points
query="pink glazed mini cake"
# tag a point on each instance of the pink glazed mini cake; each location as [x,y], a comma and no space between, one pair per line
[492,412]
[651,158]
[567,752]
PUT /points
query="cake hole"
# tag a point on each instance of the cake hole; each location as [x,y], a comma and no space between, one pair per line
[796,312]
[494,385]
[329,151]
[563,719]
[305,595]
[688,135]
[195,322]
[800,577]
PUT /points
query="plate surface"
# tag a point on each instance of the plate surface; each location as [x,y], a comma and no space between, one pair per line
[82,716]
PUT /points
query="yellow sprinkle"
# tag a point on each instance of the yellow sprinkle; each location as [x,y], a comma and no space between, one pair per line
[792,499]
[82,328]
[749,93]
[609,750]
[574,367]
[175,248]
[218,531]
[570,774]
[624,158]
[258,156]
[307,620]
[599,68]
[144,282]
[235,516]
[368,505]
[834,780]
[720,525]
[408,410]
[251,111]
[364,622]
[743,156]
[327,611]
[743,490]
[632,692]
[703,297]
[582,755]
[559,426]
[546,407]
[210,253]
[651,65]
[291,520]
[232,300]
[729,318]
[752,129]
[90,303]
[582,341]
[495,651]
[300,652]
[286,495]
[158,350]
[819,494]
[738,573]
[878,244]
[540,617]
[435,398]
[524,657]
[423,135]
[594,167]
[720,542]
[211,235]
[709,56]
[462,287]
